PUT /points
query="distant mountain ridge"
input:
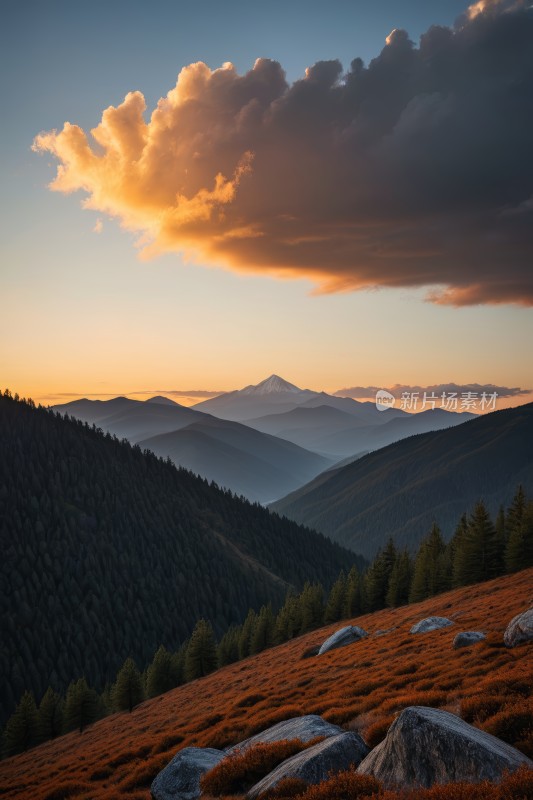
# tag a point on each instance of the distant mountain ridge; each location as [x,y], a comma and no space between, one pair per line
[401,489]
[263,441]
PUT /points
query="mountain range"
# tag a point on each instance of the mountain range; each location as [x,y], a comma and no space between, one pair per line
[401,489]
[263,441]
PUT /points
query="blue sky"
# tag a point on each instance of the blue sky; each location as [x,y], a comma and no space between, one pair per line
[82,314]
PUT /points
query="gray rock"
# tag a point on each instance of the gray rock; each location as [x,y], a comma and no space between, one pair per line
[303,728]
[425,746]
[342,637]
[431,624]
[180,780]
[314,764]
[467,638]
[520,629]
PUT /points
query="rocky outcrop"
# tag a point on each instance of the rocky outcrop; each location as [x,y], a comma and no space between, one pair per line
[303,728]
[431,624]
[180,780]
[342,637]
[425,746]
[520,629]
[467,638]
[317,762]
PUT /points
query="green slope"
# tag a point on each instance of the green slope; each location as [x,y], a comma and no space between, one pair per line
[399,490]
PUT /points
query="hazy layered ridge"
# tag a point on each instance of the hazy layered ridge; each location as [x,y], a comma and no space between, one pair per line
[401,489]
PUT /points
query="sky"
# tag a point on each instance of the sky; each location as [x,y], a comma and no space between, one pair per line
[287,209]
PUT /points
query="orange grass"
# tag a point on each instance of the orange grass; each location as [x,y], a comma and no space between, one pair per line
[355,686]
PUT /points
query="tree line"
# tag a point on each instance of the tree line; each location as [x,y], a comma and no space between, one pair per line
[480,549]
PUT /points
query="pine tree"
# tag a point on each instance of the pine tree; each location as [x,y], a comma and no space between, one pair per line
[400,581]
[81,705]
[455,547]
[288,620]
[476,558]
[263,635]
[50,716]
[21,729]
[514,525]
[519,550]
[312,607]
[159,677]
[353,601]
[128,690]
[247,632]
[335,605]
[378,575]
[201,654]
[228,647]
[428,578]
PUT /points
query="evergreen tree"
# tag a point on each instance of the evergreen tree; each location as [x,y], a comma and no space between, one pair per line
[353,600]
[247,632]
[312,607]
[159,676]
[201,654]
[378,576]
[228,647]
[400,581]
[288,620]
[50,716]
[128,690]
[476,557]
[455,546]
[519,549]
[428,576]
[21,729]
[263,635]
[514,524]
[81,705]
[336,600]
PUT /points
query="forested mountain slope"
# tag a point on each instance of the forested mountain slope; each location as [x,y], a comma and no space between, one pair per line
[401,489]
[108,552]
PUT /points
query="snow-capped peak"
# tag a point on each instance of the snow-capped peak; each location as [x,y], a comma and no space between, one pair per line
[272,385]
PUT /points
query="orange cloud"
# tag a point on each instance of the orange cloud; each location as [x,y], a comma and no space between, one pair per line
[413,171]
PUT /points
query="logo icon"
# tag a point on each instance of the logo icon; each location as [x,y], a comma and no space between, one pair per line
[384,400]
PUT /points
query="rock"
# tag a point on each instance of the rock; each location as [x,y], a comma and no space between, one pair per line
[467,638]
[314,764]
[431,624]
[425,746]
[180,780]
[342,637]
[520,629]
[303,728]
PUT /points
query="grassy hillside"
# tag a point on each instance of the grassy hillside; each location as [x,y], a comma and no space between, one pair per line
[360,687]
[400,490]
[108,552]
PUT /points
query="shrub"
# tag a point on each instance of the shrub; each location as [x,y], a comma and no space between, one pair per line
[287,788]
[343,785]
[242,769]
[512,724]
[477,709]
[376,732]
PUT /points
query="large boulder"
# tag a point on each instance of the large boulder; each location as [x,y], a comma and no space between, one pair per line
[303,728]
[520,629]
[180,780]
[431,624]
[342,637]
[425,746]
[314,764]
[468,638]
